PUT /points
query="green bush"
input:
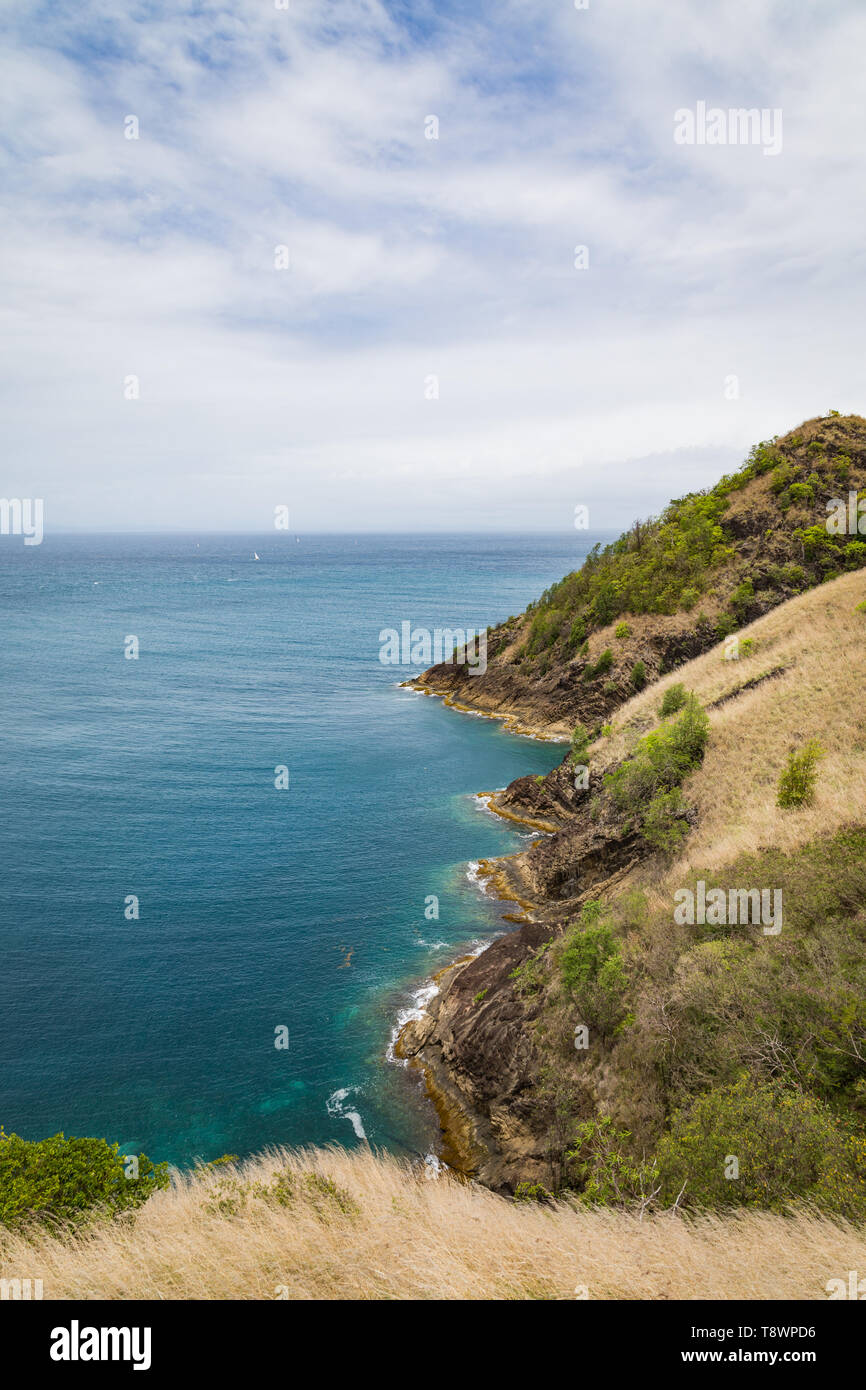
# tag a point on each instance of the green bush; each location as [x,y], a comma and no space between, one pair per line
[621,631]
[600,1166]
[794,576]
[783,476]
[801,492]
[664,824]
[592,971]
[64,1179]
[742,598]
[673,700]
[580,741]
[661,761]
[638,675]
[797,781]
[531,1192]
[842,466]
[604,663]
[788,1146]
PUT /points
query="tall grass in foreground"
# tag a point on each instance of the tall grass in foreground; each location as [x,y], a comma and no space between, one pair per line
[329,1224]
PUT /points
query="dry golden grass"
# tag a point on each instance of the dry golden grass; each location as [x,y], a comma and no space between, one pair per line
[821,641]
[409,1237]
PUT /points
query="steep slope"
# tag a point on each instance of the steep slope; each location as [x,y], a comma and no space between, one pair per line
[670,588]
[603,949]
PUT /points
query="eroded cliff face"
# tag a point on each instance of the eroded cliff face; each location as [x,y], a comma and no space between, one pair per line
[550,705]
[477,1041]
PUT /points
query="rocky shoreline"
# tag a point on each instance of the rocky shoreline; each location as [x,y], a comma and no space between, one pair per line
[473,1042]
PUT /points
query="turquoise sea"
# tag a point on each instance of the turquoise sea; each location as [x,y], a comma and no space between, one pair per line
[260,909]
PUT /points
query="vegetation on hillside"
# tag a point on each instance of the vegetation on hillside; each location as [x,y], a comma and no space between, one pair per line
[715,1042]
[671,562]
[68,1180]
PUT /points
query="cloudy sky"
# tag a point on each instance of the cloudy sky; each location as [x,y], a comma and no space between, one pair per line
[418,265]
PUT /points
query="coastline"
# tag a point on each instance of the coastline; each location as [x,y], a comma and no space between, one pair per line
[463,1142]
[511,722]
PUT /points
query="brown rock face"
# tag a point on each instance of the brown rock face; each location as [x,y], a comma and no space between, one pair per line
[476,1042]
[477,1045]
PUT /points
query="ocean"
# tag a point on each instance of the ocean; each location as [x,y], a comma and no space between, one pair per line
[195,959]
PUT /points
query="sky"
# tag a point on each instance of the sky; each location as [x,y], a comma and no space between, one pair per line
[285,292]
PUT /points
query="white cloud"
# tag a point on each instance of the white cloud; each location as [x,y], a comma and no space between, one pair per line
[413,257]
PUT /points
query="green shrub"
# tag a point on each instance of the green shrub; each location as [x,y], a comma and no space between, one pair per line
[816,541]
[842,466]
[797,781]
[621,631]
[580,741]
[592,971]
[787,1145]
[604,663]
[742,597]
[673,700]
[665,825]
[531,1192]
[62,1179]
[600,1166]
[801,492]
[661,761]
[638,675]
[783,476]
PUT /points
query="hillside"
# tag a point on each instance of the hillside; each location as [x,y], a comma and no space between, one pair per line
[671,587]
[331,1225]
[682,1018]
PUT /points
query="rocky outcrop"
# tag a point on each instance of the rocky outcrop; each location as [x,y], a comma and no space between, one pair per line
[476,1044]
[476,1040]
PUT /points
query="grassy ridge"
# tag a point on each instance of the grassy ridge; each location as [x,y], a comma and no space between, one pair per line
[671,563]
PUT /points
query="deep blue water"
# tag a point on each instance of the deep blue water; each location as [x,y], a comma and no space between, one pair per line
[259,907]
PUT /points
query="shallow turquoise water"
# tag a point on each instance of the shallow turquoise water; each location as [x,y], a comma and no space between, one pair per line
[259,908]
